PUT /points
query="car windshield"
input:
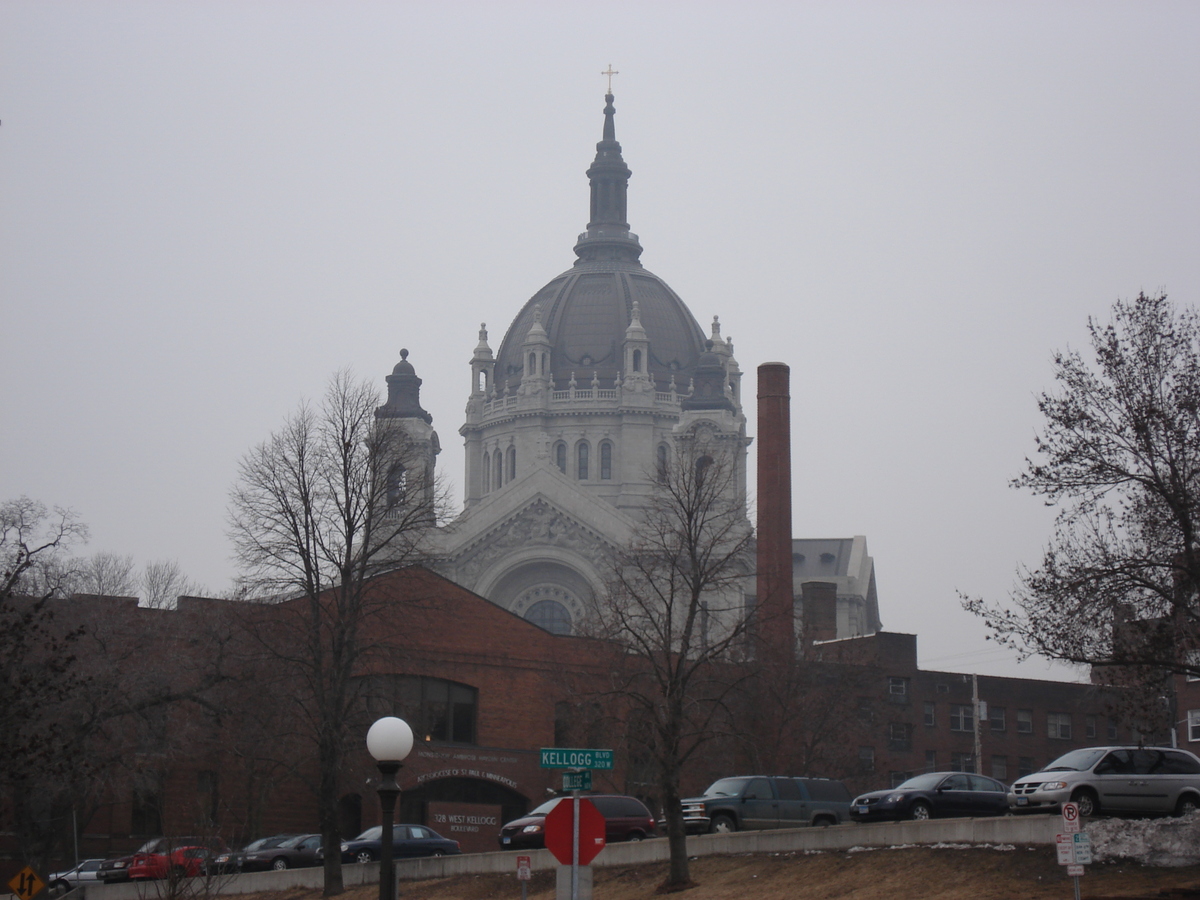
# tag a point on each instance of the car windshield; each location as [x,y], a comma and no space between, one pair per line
[1076,761]
[921,782]
[371,834]
[293,841]
[726,787]
[545,807]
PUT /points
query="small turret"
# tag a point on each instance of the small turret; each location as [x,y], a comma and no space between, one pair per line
[483,365]
[535,351]
[636,350]
[404,394]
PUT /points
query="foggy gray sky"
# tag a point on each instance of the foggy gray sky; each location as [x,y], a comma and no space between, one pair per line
[208,207]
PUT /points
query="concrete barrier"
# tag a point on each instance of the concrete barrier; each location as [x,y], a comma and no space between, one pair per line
[1004,830]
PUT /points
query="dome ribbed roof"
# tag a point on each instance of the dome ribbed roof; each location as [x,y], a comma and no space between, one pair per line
[586,310]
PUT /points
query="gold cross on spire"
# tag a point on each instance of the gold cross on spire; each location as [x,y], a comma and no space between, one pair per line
[610,73]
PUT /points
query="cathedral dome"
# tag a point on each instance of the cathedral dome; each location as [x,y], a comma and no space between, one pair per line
[587,309]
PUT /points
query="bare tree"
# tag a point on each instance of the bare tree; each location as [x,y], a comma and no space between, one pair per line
[107,575]
[163,582]
[318,512]
[675,604]
[1119,455]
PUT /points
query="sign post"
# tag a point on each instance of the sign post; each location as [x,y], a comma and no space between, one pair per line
[583,815]
[1073,845]
[524,872]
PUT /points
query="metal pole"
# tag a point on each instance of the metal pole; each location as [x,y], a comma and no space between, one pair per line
[575,848]
[388,792]
[978,767]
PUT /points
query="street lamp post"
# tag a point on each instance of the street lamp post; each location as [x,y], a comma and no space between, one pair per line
[390,741]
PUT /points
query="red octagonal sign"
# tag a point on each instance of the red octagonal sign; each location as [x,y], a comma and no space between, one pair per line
[560,825]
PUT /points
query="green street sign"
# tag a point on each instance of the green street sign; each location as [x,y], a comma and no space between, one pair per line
[563,758]
[577,781]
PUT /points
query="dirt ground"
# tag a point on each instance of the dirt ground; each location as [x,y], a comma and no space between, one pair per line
[921,873]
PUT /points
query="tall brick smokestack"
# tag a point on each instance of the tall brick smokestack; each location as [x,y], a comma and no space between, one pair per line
[774,629]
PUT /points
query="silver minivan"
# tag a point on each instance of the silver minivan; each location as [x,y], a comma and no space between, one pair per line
[1139,780]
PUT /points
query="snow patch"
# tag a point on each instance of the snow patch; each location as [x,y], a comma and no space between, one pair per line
[1151,842]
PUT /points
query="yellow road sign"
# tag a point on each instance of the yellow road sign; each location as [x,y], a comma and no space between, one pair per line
[26,884]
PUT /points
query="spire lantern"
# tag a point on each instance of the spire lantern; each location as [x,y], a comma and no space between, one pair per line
[608,235]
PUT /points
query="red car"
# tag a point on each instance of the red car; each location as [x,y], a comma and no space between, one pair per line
[184,857]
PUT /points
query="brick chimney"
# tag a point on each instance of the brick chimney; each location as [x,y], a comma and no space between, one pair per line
[774,628]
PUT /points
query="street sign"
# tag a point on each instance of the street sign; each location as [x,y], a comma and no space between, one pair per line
[564,758]
[577,781]
[26,884]
[1074,871]
[1070,815]
[560,831]
[1065,847]
[1082,843]
[524,868]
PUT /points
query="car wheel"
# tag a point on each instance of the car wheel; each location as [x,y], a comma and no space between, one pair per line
[824,822]
[1187,805]
[722,824]
[178,873]
[279,864]
[364,856]
[60,887]
[1087,801]
[635,836]
[920,810]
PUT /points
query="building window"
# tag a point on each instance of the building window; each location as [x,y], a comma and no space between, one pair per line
[606,461]
[866,759]
[962,762]
[581,461]
[550,615]
[1024,721]
[930,714]
[437,710]
[512,463]
[1000,768]
[1193,722]
[498,467]
[560,457]
[898,778]
[1089,727]
[899,736]
[637,360]
[897,686]
[1111,729]
[1024,766]
[487,473]
[146,810]
[1058,725]
[996,718]
[397,485]
[532,363]
[931,761]
[962,718]
[943,688]
[661,462]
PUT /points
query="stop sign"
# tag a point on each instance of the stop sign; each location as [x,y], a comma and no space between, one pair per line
[560,826]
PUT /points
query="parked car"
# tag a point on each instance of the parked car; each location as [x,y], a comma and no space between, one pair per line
[407,841]
[625,819]
[232,860]
[158,858]
[933,795]
[1137,780]
[84,873]
[756,801]
[292,852]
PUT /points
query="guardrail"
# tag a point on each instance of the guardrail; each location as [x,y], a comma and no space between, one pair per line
[1003,830]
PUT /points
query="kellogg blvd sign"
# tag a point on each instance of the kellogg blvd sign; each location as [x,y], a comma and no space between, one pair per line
[562,758]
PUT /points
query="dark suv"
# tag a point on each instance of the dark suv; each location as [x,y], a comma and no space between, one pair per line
[625,819]
[758,801]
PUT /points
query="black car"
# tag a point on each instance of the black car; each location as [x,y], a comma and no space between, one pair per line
[294,852]
[934,794]
[233,860]
[747,802]
[625,819]
[407,841]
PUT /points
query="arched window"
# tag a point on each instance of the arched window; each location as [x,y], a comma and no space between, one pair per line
[661,463]
[481,384]
[551,615]
[397,483]
[560,457]
[512,463]
[487,473]
[637,360]
[543,363]
[532,363]
[606,461]
[702,465]
[498,465]
[581,461]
